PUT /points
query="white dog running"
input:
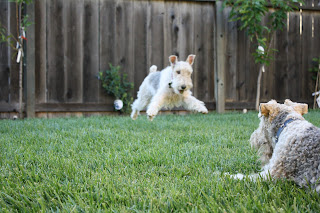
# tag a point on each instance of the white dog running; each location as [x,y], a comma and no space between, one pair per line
[167,89]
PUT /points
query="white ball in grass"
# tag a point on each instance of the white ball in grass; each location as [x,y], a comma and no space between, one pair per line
[14,117]
[244,111]
[118,104]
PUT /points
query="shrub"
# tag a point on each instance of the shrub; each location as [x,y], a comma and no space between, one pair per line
[117,86]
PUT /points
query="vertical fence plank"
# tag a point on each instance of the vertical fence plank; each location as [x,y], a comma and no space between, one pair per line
[294,56]
[124,42]
[241,64]
[155,35]
[91,83]
[203,48]
[171,30]
[140,43]
[30,79]
[41,51]
[281,64]
[4,55]
[73,51]
[221,60]
[186,29]
[56,75]
[231,58]
[307,44]
[13,66]
[210,48]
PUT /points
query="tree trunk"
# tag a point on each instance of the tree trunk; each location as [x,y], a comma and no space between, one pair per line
[316,88]
[259,86]
[21,61]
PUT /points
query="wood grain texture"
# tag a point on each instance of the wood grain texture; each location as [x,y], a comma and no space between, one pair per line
[41,51]
[140,66]
[294,56]
[73,50]
[203,48]
[12,54]
[91,59]
[4,56]
[30,59]
[75,39]
[56,70]
[220,72]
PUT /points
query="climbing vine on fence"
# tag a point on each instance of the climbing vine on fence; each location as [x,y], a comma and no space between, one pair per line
[251,14]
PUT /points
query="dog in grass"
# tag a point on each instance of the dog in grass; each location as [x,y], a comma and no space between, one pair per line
[288,145]
[167,89]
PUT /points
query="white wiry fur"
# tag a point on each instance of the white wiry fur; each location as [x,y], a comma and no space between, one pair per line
[167,89]
[296,155]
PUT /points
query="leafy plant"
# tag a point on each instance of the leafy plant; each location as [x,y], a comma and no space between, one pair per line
[251,14]
[22,21]
[117,86]
[315,68]
[16,41]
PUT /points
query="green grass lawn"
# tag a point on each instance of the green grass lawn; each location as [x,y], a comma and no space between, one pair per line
[116,164]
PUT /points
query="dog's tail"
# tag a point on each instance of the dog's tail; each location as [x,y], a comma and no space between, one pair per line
[153,68]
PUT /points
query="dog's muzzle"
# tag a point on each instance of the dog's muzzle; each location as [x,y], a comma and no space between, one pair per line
[182,88]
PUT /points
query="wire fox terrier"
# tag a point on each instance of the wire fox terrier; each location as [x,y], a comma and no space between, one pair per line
[288,145]
[168,88]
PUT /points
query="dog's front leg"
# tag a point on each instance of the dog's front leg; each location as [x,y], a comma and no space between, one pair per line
[191,103]
[155,105]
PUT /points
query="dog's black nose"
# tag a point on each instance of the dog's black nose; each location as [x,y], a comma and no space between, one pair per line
[183,87]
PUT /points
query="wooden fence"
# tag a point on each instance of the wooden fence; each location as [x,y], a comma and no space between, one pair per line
[72,40]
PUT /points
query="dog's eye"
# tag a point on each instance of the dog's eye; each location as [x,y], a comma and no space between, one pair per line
[178,72]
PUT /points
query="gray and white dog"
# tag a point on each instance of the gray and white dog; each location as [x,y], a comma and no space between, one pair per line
[167,89]
[289,145]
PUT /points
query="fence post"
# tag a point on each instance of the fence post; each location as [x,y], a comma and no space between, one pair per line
[30,60]
[220,59]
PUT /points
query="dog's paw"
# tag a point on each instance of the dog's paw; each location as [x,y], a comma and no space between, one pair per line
[236,176]
[150,118]
[203,110]
[151,113]
[134,115]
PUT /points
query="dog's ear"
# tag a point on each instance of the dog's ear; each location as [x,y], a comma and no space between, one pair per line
[173,60]
[265,109]
[270,109]
[301,108]
[190,59]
